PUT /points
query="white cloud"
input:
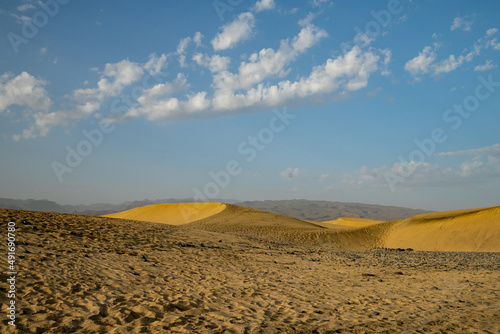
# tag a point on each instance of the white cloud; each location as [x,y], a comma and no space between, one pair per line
[350,71]
[461,23]
[264,5]
[448,65]
[493,43]
[486,67]
[21,19]
[157,103]
[114,78]
[317,3]
[25,7]
[363,39]
[45,121]
[415,174]
[235,32]
[269,62]
[307,20]
[424,62]
[347,72]
[156,64]
[471,168]
[421,63]
[23,90]
[198,36]
[258,82]
[160,90]
[492,151]
[215,63]
[183,44]
[307,37]
[423,174]
[43,51]
[491,31]
[290,173]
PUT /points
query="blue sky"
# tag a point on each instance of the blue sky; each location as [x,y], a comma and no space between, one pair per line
[383,102]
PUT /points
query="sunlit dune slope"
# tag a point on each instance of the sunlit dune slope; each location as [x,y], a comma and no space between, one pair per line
[353,221]
[469,230]
[171,213]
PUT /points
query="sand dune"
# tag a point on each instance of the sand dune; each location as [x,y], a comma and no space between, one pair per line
[473,230]
[171,213]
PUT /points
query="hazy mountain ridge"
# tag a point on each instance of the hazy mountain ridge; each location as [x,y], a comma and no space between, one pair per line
[326,210]
[300,209]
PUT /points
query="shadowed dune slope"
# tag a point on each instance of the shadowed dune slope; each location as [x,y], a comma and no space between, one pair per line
[472,230]
[171,213]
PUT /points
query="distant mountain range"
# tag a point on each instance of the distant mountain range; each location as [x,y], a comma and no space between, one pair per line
[300,208]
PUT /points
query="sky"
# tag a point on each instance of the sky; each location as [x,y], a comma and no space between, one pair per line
[380,102]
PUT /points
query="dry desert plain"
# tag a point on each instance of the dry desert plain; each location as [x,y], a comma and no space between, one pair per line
[217,268]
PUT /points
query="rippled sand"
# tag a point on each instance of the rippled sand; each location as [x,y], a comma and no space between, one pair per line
[81,274]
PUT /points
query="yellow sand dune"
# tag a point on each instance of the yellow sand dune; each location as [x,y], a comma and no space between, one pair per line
[171,213]
[469,230]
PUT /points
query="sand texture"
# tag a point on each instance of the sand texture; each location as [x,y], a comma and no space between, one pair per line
[80,274]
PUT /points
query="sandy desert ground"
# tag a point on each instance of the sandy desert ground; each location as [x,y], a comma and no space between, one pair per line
[225,269]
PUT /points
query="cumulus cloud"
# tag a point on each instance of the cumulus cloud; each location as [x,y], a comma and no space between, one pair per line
[448,65]
[26,90]
[114,78]
[486,67]
[425,61]
[269,62]
[246,89]
[264,5]
[214,63]
[198,36]
[183,44]
[156,64]
[307,20]
[290,173]
[491,31]
[235,32]
[421,63]
[461,23]
[258,82]
[23,90]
